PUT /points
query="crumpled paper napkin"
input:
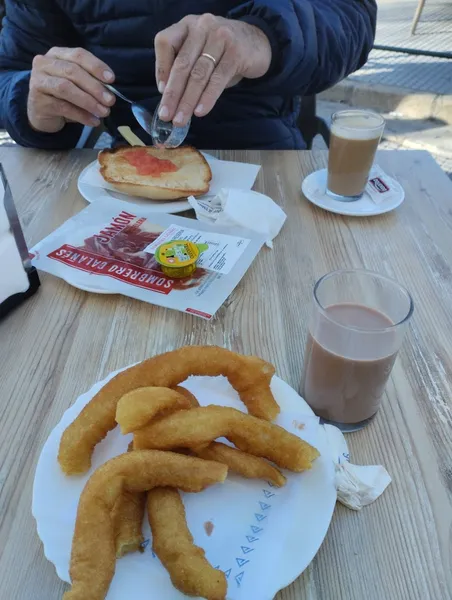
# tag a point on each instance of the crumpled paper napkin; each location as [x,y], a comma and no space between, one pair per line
[242,208]
[356,485]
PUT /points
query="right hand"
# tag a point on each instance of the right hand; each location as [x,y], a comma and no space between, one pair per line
[66,86]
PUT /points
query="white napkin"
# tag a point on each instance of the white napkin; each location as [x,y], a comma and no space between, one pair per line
[357,485]
[224,171]
[242,208]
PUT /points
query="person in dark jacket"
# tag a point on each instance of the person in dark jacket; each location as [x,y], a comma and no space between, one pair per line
[238,66]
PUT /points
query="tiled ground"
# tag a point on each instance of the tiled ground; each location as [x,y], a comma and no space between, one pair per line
[419,73]
[434,31]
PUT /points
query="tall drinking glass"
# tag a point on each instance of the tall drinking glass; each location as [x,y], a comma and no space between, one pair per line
[358,324]
[355,135]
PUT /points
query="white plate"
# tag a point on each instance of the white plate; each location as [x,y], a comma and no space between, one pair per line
[91,193]
[314,188]
[291,532]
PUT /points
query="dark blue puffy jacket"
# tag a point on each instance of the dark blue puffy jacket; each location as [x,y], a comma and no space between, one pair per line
[315,43]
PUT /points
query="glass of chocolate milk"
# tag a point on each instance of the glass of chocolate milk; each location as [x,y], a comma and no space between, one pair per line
[357,326]
[355,135]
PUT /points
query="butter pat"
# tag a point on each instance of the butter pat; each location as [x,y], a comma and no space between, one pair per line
[177,258]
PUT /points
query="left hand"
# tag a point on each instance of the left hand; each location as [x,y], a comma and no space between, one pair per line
[192,83]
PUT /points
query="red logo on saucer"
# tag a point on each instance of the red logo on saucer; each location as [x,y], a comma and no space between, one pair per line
[379,185]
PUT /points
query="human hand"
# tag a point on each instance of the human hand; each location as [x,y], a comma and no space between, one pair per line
[199,57]
[65,86]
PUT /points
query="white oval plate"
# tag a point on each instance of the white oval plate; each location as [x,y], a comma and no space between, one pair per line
[85,288]
[277,545]
[314,189]
[91,193]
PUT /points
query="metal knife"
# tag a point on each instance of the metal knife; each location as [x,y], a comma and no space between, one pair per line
[15,226]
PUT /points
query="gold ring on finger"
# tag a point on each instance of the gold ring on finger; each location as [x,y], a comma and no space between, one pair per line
[210,57]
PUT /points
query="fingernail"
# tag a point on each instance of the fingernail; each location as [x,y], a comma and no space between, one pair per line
[199,109]
[95,122]
[108,97]
[179,118]
[161,86]
[164,112]
[108,75]
[102,110]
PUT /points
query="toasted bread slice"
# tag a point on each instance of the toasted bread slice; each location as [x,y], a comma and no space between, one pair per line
[192,177]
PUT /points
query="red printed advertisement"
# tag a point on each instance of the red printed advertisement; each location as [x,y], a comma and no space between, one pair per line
[109,248]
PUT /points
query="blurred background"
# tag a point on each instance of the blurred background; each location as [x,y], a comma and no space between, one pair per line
[413,91]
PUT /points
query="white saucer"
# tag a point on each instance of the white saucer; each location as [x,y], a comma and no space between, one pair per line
[314,189]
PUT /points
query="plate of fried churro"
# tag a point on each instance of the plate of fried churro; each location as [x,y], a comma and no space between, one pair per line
[195,473]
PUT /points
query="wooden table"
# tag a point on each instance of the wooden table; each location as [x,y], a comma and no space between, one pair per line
[63,340]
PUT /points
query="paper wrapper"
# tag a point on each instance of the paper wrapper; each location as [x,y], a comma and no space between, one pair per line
[248,209]
[262,537]
[104,249]
[380,187]
[223,172]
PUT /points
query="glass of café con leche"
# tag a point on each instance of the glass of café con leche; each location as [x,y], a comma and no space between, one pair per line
[355,135]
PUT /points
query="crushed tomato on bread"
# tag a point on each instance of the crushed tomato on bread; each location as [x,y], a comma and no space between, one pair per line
[156,173]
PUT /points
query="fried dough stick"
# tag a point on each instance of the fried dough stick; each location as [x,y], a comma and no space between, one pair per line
[249,375]
[139,407]
[127,518]
[93,547]
[188,395]
[238,462]
[129,509]
[190,571]
[241,463]
[192,428]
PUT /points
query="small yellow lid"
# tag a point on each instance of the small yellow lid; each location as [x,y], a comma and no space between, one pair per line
[178,258]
